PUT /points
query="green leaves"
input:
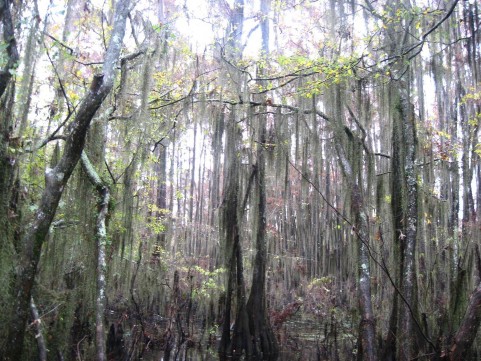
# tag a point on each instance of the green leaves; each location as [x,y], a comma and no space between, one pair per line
[209,282]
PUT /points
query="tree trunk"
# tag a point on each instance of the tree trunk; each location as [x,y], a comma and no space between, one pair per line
[26,83]
[9,38]
[56,179]
[367,330]
[367,325]
[264,342]
[7,160]
[161,199]
[409,237]
[467,330]
[101,235]
[235,283]
[240,340]
[37,322]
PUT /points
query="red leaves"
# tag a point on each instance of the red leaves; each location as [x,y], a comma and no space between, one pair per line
[278,318]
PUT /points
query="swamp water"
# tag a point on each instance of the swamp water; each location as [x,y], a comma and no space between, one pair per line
[302,340]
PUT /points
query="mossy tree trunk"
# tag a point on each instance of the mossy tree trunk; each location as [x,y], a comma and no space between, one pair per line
[466,334]
[260,331]
[352,174]
[237,343]
[233,346]
[264,342]
[101,240]
[408,234]
[7,89]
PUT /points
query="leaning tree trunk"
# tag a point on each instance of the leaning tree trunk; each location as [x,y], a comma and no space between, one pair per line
[55,180]
[467,330]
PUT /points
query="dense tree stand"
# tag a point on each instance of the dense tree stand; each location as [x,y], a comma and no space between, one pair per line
[265,180]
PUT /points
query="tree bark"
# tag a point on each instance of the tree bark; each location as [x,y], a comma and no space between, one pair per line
[37,322]
[55,180]
[240,340]
[230,227]
[9,38]
[264,342]
[7,161]
[468,329]
[26,83]
[161,197]
[101,238]
[409,237]
[367,326]
[351,171]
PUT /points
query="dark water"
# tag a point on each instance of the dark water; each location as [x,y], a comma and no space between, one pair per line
[195,354]
[302,341]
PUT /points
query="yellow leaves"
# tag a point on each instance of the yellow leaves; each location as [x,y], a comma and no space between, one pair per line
[159,251]
[427,218]
[443,134]
[473,122]
[154,209]
[73,96]
[472,95]
[160,78]
[206,272]
[156,222]
[329,71]
[156,225]
[321,282]
[179,195]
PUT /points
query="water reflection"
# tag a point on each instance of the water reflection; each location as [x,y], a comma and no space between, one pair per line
[210,354]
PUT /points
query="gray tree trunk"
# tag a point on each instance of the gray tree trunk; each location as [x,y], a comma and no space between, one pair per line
[409,237]
[7,160]
[101,238]
[361,227]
